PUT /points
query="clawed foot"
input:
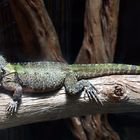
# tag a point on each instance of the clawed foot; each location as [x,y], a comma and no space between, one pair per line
[93,93]
[12,107]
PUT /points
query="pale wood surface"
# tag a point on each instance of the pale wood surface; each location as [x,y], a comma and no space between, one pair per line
[52,106]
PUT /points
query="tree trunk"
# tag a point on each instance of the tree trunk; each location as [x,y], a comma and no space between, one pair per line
[100,33]
[39,36]
[101,20]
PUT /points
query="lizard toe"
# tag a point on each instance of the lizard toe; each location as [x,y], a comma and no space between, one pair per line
[12,107]
[92,94]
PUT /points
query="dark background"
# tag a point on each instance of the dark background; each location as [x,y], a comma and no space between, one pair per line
[68,21]
[128,51]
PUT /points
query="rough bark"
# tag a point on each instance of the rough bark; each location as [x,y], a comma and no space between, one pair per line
[55,106]
[37,31]
[100,33]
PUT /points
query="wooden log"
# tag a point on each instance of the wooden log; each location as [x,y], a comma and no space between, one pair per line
[118,94]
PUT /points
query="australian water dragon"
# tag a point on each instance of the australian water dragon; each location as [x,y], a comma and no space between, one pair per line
[50,76]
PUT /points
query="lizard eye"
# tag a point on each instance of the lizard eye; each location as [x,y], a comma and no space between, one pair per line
[3,71]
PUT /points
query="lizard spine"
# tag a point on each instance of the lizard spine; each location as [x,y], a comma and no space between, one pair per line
[86,71]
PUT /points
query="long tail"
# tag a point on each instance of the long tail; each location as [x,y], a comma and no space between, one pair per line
[96,70]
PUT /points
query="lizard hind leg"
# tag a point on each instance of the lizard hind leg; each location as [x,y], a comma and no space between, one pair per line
[74,87]
[91,92]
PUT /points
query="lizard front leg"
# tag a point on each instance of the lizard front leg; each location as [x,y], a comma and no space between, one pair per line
[9,84]
[16,99]
[73,87]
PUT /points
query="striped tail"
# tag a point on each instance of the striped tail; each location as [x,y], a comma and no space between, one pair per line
[97,70]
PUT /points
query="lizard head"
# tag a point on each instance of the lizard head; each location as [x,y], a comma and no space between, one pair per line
[2,65]
[3,61]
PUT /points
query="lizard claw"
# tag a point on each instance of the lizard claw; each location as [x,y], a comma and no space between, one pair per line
[12,107]
[92,93]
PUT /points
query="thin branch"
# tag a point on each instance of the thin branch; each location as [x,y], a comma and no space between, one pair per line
[118,94]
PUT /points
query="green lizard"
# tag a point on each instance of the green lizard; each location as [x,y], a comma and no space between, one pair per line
[51,76]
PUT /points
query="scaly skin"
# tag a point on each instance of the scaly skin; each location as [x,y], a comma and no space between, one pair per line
[51,76]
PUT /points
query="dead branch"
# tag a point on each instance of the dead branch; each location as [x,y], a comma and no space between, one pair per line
[118,93]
